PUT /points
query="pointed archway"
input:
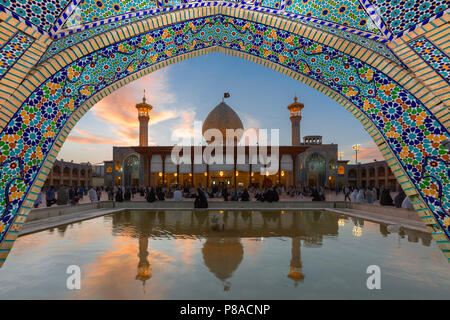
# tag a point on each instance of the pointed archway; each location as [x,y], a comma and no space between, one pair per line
[391,105]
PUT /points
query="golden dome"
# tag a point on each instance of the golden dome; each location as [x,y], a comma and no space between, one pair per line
[222,117]
[222,256]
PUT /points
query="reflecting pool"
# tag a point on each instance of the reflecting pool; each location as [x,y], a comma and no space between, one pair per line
[225,255]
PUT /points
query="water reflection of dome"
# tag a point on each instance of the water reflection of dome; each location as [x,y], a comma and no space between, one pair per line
[222,256]
[222,117]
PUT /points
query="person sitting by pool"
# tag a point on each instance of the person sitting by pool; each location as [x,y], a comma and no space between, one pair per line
[151,195]
[177,195]
[386,199]
[200,200]
[270,195]
[245,196]
[160,194]
[315,195]
[398,200]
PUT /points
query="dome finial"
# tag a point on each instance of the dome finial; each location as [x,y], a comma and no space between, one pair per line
[143,99]
[295,98]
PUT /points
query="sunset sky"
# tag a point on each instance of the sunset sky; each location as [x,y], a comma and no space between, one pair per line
[189,90]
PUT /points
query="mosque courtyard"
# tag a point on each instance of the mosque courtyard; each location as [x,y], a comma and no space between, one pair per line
[224,150]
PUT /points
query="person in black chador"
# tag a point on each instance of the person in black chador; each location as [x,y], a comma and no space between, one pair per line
[151,195]
[200,199]
[160,194]
[119,195]
[386,199]
[225,193]
[127,194]
[316,196]
[269,195]
[398,200]
[245,196]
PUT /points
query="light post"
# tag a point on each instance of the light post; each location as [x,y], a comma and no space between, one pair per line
[340,155]
[356,147]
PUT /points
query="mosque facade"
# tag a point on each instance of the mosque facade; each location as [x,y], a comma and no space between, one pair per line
[303,163]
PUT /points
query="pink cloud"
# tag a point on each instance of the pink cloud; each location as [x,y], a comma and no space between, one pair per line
[118,111]
[368,153]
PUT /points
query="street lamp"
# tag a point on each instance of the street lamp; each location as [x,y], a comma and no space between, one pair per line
[356,147]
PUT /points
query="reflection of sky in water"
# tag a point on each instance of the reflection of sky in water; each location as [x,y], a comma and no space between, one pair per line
[183,255]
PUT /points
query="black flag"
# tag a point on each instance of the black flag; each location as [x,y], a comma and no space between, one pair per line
[226,95]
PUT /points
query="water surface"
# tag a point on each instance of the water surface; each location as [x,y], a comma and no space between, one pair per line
[225,255]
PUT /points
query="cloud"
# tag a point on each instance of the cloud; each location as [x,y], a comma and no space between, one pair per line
[368,152]
[116,114]
[84,137]
[119,108]
[185,128]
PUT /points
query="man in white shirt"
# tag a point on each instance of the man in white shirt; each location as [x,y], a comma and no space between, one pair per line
[177,195]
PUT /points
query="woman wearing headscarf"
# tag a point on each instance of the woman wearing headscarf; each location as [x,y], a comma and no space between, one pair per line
[385,198]
[160,194]
[119,195]
[127,194]
[398,200]
[245,196]
[315,195]
[151,195]
[406,204]
[354,195]
[361,197]
[200,200]
[369,196]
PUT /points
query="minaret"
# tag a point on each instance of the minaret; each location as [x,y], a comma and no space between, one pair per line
[295,272]
[144,267]
[295,110]
[144,117]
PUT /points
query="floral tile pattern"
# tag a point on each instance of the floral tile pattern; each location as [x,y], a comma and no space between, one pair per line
[349,13]
[400,15]
[435,58]
[42,14]
[91,10]
[412,132]
[13,50]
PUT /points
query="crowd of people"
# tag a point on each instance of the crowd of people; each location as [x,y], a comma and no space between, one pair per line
[67,195]
[72,195]
[371,194]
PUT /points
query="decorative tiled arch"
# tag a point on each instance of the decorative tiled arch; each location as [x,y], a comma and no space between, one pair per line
[425,182]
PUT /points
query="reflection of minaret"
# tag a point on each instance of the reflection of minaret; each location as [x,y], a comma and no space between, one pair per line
[295,272]
[144,267]
[144,117]
[295,110]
